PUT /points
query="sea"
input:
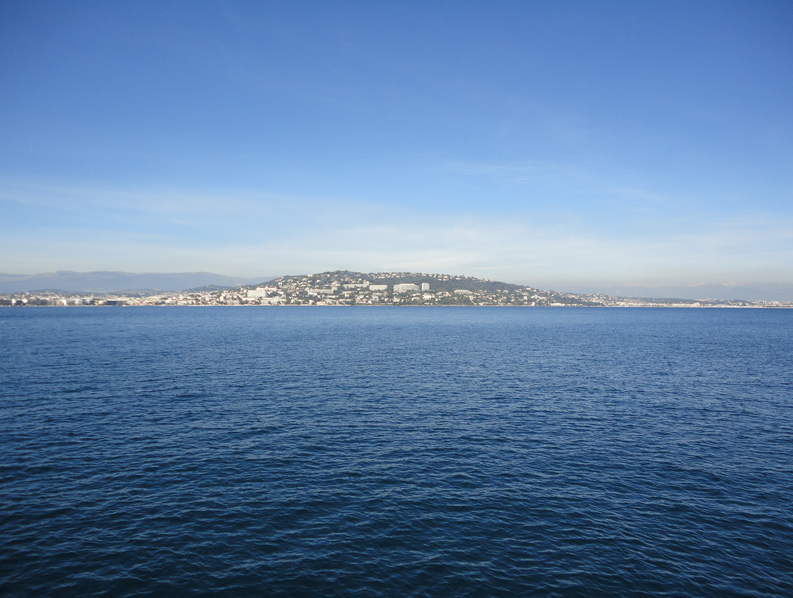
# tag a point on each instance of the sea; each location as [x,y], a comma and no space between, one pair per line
[395,451]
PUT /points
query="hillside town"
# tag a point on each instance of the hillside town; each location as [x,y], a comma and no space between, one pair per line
[344,288]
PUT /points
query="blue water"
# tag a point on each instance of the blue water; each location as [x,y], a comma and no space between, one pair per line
[396,452]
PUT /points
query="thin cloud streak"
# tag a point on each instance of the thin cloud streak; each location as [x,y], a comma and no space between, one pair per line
[543,172]
[303,235]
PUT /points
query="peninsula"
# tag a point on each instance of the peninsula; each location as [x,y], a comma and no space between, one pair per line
[343,287]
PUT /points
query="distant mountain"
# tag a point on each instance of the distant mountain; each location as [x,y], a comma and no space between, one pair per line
[725,292]
[111,282]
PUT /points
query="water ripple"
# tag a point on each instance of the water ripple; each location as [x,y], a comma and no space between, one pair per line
[385,452]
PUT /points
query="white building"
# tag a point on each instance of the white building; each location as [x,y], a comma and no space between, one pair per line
[261,292]
[425,286]
[405,287]
[378,287]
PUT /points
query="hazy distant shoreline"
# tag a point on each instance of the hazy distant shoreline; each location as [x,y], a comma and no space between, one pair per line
[637,306]
[346,288]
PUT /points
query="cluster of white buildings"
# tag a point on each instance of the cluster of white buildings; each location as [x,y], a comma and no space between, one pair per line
[262,294]
[407,287]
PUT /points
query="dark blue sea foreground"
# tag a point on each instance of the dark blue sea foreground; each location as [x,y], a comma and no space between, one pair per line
[396,452]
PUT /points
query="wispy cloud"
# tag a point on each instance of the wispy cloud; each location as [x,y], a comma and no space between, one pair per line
[528,172]
[249,234]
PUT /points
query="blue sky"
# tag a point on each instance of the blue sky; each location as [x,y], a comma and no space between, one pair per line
[545,143]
